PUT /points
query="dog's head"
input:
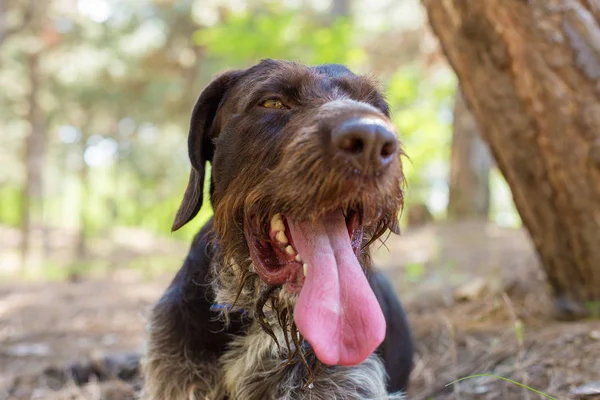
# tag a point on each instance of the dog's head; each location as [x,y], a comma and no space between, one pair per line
[306,173]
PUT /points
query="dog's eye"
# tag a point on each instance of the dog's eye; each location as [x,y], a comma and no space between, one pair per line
[274,103]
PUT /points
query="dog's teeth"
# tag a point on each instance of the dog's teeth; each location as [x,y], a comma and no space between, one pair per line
[305,268]
[290,250]
[281,238]
[298,258]
[277,223]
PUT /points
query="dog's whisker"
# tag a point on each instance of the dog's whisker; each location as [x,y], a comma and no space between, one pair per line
[282,317]
[297,339]
[262,319]
[243,280]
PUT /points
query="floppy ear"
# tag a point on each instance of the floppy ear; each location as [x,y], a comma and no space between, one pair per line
[200,144]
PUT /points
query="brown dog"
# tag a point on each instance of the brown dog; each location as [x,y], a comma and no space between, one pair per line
[277,298]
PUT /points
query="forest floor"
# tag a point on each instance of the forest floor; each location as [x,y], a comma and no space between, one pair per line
[474,294]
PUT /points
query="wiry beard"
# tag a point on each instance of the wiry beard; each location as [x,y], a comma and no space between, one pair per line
[302,187]
[272,307]
[237,285]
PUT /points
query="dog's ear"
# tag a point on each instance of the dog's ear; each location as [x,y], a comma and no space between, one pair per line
[200,144]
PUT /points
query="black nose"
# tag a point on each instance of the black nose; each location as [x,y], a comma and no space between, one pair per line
[366,142]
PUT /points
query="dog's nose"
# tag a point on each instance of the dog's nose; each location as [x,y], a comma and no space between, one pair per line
[367,142]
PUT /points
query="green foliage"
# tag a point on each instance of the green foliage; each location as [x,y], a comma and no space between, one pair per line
[594,308]
[414,272]
[116,96]
[422,108]
[10,205]
[245,38]
[519,332]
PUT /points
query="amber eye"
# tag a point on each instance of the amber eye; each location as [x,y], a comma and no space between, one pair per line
[274,103]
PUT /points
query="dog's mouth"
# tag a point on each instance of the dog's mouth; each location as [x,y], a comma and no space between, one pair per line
[336,310]
[278,260]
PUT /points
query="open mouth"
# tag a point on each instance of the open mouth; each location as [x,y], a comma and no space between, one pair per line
[336,311]
[279,262]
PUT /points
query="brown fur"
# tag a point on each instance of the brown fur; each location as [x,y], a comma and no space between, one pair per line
[266,162]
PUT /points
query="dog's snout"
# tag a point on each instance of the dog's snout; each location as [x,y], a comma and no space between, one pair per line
[368,143]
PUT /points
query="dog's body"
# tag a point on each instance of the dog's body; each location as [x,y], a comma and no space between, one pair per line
[230,325]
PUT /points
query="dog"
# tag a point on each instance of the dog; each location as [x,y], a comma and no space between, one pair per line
[277,298]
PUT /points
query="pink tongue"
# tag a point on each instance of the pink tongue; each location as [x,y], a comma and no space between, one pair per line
[337,311]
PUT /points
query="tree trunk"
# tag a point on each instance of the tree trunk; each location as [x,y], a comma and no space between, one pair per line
[340,8]
[81,247]
[31,207]
[7,30]
[531,72]
[470,165]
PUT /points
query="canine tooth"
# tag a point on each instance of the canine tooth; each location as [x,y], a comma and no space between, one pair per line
[298,258]
[290,250]
[305,268]
[281,238]
[277,223]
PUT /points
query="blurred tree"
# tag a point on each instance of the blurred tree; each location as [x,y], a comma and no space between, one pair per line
[8,29]
[109,86]
[42,40]
[33,158]
[470,164]
[531,71]
[340,8]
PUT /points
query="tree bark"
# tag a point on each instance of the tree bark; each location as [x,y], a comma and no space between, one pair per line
[470,165]
[531,72]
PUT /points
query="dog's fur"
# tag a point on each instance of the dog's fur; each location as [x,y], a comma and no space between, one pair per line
[266,162]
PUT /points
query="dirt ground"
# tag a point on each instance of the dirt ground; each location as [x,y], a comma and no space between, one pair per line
[474,293]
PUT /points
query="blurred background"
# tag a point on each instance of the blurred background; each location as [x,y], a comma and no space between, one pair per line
[95,100]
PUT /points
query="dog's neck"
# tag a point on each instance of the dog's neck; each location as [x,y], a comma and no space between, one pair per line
[254,368]
[258,365]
